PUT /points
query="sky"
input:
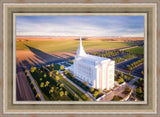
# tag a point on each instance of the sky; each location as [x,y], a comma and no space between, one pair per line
[91,26]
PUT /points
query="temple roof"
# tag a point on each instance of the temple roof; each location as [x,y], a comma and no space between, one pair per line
[81,55]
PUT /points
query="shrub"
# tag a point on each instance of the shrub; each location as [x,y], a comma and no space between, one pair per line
[127,90]
[57,78]
[95,94]
[61,93]
[99,91]
[116,98]
[65,93]
[33,69]
[42,84]
[44,75]
[61,85]
[62,67]
[91,89]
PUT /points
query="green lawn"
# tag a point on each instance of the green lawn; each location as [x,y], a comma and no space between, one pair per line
[137,50]
[69,45]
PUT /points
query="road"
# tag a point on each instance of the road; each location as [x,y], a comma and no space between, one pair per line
[37,88]
[24,92]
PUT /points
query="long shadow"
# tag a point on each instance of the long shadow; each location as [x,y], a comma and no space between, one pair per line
[39,53]
[46,58]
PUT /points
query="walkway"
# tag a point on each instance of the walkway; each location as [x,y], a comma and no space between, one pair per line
[37,88]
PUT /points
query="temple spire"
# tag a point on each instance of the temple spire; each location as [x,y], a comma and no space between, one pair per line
[80,51]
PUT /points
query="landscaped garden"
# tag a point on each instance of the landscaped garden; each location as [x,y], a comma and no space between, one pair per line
[121,77]
[140,89]
[84,85]
[50,86]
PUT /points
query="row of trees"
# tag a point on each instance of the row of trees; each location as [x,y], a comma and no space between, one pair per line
[134,64]
[37,95]
[121,77]
[70,76]
[118,59]
[95,92]
[140,88]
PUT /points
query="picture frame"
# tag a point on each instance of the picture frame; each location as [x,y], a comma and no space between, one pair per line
[9,105]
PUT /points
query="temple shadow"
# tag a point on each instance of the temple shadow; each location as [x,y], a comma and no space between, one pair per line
[42,55]
[41,58]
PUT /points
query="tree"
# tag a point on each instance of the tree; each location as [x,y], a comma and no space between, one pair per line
[42,84]
[127,90]
[116,98]
[47,83]
[120,80]
[57,78]
[33,69]
[62,67]
[57,72]
[27,75]
[139,90]
[51,90]
[91,89]
[61,85]
[86,83]
[52,65]
[37,95]
[65,93]
[31,83]
[142,73]
[95,94]
[44,75]
[61,93]
[99,91]
[34,88]
[125,77]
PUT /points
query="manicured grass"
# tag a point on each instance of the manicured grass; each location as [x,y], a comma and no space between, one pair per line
[68,45]
[70,76]
[137,50]
[77,91]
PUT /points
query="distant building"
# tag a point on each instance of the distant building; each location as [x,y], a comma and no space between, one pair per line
[97,71]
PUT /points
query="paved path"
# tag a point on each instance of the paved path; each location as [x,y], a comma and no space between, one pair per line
[37,88]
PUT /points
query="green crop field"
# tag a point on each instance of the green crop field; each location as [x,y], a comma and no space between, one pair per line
[68,45]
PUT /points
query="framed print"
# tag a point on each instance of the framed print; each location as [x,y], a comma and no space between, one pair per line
[80,58]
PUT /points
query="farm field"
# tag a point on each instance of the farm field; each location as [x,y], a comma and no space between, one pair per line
[68,45]
[37,50]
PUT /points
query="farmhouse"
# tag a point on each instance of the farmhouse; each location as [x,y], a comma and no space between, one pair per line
[97,71]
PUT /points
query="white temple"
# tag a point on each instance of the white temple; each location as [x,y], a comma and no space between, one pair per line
[97,71]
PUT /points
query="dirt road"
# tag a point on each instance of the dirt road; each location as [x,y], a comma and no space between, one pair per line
[24,92]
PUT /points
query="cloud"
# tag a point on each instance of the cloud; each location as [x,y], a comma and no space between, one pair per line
[122,26]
